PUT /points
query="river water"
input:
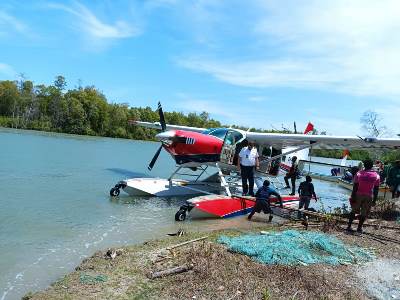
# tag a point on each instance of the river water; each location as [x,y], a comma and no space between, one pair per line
[55,209]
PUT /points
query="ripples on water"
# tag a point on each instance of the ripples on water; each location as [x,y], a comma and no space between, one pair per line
[55,209]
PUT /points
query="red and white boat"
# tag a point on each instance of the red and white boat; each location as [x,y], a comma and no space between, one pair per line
[221,206]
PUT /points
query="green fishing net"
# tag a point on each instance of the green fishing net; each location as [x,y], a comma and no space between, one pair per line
[292,247]
[92,279]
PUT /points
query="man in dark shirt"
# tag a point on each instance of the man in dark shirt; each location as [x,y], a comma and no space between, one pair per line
[263,202]
[306,192]
[292,174]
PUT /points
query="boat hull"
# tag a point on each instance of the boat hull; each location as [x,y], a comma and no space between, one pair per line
[221,206]
[324,177]
[384,192]
[159,187]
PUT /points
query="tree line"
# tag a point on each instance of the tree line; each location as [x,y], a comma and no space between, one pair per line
[83,111]
[86,111]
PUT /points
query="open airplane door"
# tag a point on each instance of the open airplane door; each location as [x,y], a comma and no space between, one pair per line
[231,147]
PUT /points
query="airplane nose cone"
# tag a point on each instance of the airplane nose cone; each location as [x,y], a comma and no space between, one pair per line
[165,136]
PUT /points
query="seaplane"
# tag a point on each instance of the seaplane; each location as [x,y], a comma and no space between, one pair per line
[195,150]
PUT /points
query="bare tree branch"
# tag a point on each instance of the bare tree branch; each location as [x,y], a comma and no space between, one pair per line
[371,122]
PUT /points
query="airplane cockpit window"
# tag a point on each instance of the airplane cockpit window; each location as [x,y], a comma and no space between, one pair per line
[217,132]
[207,131]
[232,138]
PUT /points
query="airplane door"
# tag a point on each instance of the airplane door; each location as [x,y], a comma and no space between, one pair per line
[231,140]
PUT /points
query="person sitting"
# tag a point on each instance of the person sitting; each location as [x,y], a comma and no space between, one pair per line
[274,168]
[335,171]
[263,201]
[348,176]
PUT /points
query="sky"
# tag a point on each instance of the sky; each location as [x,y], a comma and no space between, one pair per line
[255,63]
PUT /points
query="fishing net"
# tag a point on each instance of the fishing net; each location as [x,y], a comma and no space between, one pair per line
[92,279]
[292,247]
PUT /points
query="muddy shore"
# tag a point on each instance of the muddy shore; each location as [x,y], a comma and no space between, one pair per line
[213,272]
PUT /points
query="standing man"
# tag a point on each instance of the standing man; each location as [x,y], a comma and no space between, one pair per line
[393,179]
[248,160]
[262,200]
[306,192]
[364,195]
[292,174]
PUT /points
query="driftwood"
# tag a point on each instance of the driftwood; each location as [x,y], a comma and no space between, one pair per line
[172,271]
[185,243]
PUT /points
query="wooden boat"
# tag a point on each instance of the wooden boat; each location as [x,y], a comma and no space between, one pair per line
[323,177]
[221,206]
[384,191]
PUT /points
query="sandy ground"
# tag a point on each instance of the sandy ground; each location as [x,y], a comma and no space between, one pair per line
[216,273]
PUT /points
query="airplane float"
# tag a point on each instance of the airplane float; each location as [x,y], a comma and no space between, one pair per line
[196,149]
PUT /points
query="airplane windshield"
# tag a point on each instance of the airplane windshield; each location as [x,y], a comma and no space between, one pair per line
[232,138]
[217,132]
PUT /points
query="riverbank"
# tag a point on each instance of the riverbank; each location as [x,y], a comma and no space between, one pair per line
[213,272]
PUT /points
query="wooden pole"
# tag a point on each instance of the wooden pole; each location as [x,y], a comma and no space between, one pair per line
[187,242]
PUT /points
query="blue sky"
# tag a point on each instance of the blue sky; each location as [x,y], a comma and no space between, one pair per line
[254,63]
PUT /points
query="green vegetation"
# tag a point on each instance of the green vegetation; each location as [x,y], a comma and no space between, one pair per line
[354,154]
[84,111]
[384,155]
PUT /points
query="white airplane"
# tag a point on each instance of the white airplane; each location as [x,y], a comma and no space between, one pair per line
[198,148]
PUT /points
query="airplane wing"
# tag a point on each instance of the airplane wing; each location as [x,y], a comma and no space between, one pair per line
[280,141]
[157,125]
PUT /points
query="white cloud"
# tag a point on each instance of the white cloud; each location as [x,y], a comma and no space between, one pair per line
[346,46]
[8,22]
[7,70]
[190,104]
[96,28]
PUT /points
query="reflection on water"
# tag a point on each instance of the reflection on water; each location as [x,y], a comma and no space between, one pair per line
[55,207]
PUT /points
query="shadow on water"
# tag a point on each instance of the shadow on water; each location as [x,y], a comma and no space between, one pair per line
[126,172]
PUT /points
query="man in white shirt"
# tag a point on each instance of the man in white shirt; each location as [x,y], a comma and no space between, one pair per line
[248,160]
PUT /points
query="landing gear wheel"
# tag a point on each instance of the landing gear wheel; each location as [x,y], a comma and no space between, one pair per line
[180,215]
[114,192]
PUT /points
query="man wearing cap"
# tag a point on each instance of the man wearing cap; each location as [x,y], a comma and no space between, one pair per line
[248,160]
[393,179]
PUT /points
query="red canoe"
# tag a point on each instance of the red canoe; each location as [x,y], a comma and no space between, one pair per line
[220,206]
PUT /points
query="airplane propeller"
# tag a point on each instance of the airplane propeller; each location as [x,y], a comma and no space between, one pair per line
[163,128]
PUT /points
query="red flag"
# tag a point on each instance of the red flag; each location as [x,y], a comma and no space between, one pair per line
[310,127]
[346,152]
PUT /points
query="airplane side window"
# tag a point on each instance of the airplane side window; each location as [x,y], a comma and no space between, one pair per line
[237,136]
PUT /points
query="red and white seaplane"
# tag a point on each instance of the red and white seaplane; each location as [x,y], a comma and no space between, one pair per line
[196,149]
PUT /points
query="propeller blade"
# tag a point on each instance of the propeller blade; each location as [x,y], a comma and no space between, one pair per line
[153,161]
[162,119]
